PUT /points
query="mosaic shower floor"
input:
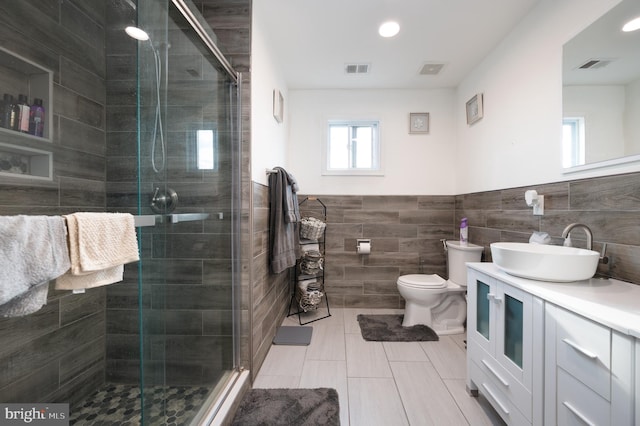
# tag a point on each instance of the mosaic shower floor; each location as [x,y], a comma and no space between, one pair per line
[119,405]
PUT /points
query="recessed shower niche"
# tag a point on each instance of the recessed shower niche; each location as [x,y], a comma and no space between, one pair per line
[25,150]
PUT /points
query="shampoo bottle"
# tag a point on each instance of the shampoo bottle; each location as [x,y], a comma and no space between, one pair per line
[36,118]
[5,111]
[464,232]
[23,109]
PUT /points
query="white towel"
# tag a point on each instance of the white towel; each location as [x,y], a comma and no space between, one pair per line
[99,245]
[33,251]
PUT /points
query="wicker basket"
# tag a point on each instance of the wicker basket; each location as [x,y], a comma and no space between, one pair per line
[311,228]
[308,296]
[311,262]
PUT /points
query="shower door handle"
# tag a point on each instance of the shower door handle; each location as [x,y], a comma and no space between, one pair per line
[144,220]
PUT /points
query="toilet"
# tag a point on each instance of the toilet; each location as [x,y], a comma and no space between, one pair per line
[436,302]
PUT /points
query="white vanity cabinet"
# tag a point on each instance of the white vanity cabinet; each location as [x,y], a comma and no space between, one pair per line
[589,371]
[554,354]
[504,348]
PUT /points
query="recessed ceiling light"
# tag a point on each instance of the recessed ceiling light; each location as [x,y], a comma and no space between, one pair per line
[632,25]
[389,29]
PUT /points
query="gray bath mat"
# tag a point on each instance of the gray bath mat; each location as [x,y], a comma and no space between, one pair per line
[295,407]
[293,335]
[388,328]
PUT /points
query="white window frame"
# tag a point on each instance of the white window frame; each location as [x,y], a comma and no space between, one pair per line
[376,170]
[574,146]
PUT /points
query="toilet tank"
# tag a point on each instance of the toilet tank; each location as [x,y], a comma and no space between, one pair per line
[457,257]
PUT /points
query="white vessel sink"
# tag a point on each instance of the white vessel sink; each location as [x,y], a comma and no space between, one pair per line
[545,262]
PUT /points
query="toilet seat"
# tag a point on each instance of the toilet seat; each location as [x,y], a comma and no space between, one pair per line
[423,281]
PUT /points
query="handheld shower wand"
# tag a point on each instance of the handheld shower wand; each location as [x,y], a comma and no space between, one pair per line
[142,35]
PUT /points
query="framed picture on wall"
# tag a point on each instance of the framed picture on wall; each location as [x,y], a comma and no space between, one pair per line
[474,109]
[418,122]
[278,105]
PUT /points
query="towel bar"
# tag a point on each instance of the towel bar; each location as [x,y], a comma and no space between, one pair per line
[153,219]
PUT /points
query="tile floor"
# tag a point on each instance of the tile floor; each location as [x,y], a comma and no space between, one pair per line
[119,405]
[379,383]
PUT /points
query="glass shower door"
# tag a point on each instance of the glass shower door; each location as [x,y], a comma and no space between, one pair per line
[187,149]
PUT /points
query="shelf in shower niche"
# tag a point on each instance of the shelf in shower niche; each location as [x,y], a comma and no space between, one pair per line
[21,76]
[24,162]
[154,219]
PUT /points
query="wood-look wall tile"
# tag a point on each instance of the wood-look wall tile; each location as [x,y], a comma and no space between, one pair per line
[15,332]
[82,358]
[82,193]
[382,202]
[34,386]
[81,137]
[621,192]
[81,306]
[40,194]
[389,230]
[77,107]
[436,202]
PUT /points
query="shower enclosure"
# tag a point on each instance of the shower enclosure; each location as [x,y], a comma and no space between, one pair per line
[150,126]
[187,208]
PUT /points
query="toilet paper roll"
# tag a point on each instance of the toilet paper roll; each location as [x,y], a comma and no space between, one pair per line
[364,248]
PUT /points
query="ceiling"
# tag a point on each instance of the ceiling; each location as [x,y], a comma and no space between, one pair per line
[313,40]
[603,40]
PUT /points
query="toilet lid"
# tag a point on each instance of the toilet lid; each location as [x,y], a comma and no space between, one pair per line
[422,281]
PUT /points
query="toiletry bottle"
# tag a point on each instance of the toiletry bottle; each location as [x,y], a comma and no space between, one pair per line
[36,118]
[22,122]
[15,113]
[464,232]
[5,111]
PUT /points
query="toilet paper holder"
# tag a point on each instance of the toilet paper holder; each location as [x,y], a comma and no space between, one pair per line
[363,245]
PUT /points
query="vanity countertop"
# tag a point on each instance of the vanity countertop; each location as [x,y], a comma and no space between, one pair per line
[613,303]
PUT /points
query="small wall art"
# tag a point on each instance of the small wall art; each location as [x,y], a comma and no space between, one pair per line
[474,109]
[418,123]
[278,105]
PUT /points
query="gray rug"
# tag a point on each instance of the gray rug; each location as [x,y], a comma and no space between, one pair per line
[292,335]
[388,328]
[279,407]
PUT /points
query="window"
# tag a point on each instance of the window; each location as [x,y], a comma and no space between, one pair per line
[353,147]
[572,141]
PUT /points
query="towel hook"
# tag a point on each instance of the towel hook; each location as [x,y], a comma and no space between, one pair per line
[164,201]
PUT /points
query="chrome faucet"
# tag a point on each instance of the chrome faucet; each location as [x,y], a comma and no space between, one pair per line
[568,229]
[567,240]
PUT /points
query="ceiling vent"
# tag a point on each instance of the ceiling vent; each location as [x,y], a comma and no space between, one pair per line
[431,69]
[357,68]
[593,64]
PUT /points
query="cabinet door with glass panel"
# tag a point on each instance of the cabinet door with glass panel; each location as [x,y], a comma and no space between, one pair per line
[501,322]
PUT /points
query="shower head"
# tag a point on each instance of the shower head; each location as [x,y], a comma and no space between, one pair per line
[137,33]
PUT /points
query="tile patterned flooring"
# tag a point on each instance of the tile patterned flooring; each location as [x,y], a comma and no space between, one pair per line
[119,405]
[379,383]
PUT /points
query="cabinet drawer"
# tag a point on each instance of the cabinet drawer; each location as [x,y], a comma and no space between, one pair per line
[584,351]
[504,406]
[579,405]
[503,381]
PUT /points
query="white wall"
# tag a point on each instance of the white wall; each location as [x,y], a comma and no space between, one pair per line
[632,112]
[518,142]
[603,110]
[413,163]
[268,137]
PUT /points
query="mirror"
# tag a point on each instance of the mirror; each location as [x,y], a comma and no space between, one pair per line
[601,91]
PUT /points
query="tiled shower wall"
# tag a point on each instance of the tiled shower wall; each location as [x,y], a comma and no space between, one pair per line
[186,267]
[57,353]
